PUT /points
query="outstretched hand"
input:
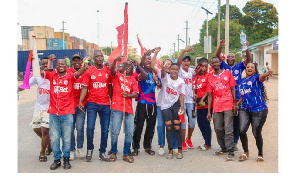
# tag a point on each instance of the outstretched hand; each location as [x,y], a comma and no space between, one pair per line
[157,49]
[222,42]
[119,58]
[189,49]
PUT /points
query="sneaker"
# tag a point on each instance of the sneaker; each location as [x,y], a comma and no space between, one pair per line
[67,164]
[72,155]
[80,153]
[103,157]
[179,156]
[189,143]
[55,164]
[161,151]
[235,148]
[184,147]
[89,155]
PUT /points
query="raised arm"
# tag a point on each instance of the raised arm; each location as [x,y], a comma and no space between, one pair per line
[163,69]
[263,76]
[219,50]
[143,74]
[113,65]
[187,49]
[157,49]
[248,57]
[51,58]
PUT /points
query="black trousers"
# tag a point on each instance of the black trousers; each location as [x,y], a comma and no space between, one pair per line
[144,112]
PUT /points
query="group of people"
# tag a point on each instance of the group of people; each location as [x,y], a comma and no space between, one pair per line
[69,96]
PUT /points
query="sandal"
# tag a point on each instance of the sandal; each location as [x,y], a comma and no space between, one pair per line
[128,159]
[203,148]
[48,151]
[135,152]
[112,157]
[170,156]
[150,151]
[43,158]
[260,159]
[221,152]
[179,156]
[243,157]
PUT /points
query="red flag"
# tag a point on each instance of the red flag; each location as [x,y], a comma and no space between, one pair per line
[122,39]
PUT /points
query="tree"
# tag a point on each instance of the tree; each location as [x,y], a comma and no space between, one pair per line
[260,20]
[234,13]
[107,50]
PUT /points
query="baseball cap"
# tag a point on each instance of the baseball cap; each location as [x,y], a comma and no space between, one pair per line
[187,57]
[76,56]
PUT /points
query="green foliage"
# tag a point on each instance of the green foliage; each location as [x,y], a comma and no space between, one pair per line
[164,57]
[234,13]
[107,50]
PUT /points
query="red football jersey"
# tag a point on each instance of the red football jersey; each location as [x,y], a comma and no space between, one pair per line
[220,86]
[77,86]
[61,93]
[199,85]
[97,81]
[130,87]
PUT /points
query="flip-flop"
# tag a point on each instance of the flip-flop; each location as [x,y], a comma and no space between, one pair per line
[112,157]
[150,151]
[43,158]
[48,151]
[260,159]
[128,159]
[243,157]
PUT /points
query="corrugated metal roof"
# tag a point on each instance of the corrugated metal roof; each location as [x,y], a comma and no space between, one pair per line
[23,56]
[264,42]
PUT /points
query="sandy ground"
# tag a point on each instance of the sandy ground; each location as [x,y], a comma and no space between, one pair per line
[193,162]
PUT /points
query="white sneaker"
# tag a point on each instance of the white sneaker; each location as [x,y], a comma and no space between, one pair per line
[72,155]
[161,151]
[80,153]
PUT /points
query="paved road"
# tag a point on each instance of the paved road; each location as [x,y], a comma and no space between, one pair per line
[193,162]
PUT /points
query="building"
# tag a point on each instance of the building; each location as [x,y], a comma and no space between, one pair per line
[265,51]
[131,51]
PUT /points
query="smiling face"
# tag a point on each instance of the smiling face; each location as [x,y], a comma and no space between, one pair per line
[147,63]
[230,59]
[250,69]
[61,65]
[174,70]
[76,63]
[129,68]
[186,64]
[98,58]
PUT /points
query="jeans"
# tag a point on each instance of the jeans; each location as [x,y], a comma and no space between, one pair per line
[257,120]
[204,125]
[223,124]
[144,112]
[188,117]
[78,123]
[116,119]
[161,130]
[104,115]
[60,127]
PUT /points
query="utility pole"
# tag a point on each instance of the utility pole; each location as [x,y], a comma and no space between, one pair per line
[207,12]
[98,42]
[174,51]
[186,32]
[63,31]
[178,44]
[110,47]
[199,35]
[227,29]
[219,19]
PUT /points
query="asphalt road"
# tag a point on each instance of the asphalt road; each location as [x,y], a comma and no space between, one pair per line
[194,161]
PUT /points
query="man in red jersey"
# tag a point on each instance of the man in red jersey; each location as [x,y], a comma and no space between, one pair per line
[221,88]
[97,86]
[79,116]
[61,109]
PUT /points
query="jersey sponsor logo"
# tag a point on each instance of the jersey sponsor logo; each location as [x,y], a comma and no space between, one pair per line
[58,89]
[187,81]
[236,71]
[225,78]
[219,86]
[43,91]
[66,82]
[171,91]
[93,77]
[125,88]
[245,91]
[97,85]
[77,86]
[150,81]
[199,86]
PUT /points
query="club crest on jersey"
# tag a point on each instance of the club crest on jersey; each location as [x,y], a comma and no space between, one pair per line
[249,83]
[66,82]
[203,80]
[93,77]
[236,72]
[106,75]
[225,78]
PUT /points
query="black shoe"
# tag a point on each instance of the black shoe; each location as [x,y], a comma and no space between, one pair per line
[67,164]
[55,165]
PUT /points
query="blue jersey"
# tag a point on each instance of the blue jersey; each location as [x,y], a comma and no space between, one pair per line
[236,71]
[251,92]
[147,90]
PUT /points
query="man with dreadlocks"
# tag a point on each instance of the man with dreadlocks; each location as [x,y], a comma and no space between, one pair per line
[254,108]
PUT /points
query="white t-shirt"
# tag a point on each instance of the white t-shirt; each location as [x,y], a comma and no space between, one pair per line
[43,90]
[187,78]
[159,96]
[171,89]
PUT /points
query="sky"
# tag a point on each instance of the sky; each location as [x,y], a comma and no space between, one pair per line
[158,22]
